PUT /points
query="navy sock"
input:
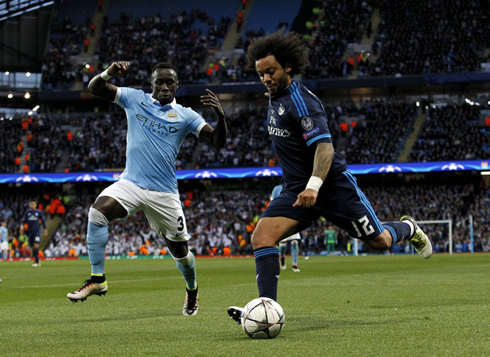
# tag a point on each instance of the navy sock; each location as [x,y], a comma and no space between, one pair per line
[35,254]
[267,270]
[399,231]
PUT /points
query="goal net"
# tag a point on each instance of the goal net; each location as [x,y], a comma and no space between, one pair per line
[440,233]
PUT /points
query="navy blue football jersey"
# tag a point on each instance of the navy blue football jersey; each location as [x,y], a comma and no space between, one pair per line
[297,122]
[32,218]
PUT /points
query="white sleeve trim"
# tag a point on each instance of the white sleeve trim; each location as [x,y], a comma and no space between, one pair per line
[117,98]
[198,131]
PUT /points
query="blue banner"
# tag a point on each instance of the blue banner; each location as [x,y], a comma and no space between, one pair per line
[412,167]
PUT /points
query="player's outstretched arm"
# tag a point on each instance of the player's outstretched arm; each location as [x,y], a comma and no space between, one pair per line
[321,165]
[214,137]
[98,85]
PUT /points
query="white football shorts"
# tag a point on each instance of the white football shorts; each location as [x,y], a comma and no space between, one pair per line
[4,245]
[162,209]
[295,236]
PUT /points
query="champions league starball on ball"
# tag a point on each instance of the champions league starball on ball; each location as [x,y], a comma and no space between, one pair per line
[263,318]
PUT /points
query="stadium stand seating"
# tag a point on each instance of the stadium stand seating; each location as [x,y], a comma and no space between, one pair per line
[408,39]
[431,37]
[269,15]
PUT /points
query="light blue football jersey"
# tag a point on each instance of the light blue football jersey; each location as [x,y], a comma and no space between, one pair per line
[3,234]
[155,134]
[276,192]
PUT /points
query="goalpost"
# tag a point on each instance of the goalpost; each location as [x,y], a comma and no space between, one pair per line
[440,221]
[450,230]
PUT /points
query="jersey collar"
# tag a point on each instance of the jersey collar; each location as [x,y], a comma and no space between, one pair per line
[168,106]
[285,91]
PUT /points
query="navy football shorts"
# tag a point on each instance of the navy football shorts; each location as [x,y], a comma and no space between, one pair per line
[340,201]
[34,237]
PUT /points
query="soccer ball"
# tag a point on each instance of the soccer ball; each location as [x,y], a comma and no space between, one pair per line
[263,318]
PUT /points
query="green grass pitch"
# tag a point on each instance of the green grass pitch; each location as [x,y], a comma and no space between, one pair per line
[336,306]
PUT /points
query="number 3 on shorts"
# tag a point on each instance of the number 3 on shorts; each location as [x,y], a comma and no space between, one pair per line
[363,223]
[181,221]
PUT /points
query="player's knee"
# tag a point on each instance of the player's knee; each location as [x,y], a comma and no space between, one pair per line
[97,217]
[178,250]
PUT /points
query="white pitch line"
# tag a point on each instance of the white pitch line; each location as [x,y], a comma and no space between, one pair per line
[63,285]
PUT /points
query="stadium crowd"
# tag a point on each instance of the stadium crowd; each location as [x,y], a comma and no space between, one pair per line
[183,38]
[59,69]
[430,37]
[411,38]
[145,41]
[332,26]
[452,132]
[221,217]
[368,132]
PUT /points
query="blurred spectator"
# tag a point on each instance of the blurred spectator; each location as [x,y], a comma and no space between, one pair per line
[430,37]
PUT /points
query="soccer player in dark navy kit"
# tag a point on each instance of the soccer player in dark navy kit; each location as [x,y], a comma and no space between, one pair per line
[315,179]
[34,218]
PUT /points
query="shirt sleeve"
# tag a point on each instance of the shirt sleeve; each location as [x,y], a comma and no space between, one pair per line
[310,115]
[124,96]
[195,122]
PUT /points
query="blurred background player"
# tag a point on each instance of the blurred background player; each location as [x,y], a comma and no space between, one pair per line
[34,218]
[306,243]
[157,126]
[4,242]
[330,240]
[294,239]
[316,180]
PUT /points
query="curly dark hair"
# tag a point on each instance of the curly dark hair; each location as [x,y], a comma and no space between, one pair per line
[287,49]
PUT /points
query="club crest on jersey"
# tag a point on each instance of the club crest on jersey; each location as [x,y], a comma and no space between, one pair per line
[281,110]
[273,120]
[172,115]
[307,123]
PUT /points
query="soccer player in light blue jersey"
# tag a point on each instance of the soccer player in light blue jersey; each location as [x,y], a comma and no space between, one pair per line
[4,243]
[157,126]
[316,181]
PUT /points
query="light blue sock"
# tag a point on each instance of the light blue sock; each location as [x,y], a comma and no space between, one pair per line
[97,238]
[187,266]
[294,251]
[282,250]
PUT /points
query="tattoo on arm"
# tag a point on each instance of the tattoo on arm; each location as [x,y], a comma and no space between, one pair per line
[323,160]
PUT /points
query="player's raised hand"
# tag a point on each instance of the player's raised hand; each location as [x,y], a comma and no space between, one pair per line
[212,100]
[117,69]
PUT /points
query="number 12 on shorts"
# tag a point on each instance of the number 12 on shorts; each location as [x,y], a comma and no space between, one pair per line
[363,223]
